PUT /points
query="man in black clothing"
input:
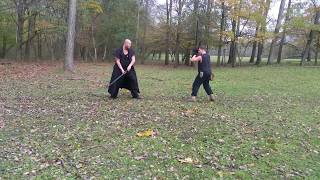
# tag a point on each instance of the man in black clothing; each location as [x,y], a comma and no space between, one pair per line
[124,61]
[204,74]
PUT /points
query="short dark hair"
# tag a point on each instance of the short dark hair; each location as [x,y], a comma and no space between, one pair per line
[203,47]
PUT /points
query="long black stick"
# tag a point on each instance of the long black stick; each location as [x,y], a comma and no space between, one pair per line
[114,81]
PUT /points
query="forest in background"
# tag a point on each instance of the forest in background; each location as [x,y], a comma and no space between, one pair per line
[233,30]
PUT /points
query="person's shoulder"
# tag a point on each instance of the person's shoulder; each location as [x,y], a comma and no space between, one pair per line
[207,55]
[131,51]
[118,50]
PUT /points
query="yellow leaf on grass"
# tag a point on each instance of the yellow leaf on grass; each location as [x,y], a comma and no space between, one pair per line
[220,173]
[188,160]
[147,133]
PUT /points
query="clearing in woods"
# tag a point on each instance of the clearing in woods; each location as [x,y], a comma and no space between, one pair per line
[265,122]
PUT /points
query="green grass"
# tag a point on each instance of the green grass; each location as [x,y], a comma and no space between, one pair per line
[244,60]
[265,123]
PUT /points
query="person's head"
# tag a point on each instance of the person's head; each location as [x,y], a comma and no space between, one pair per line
[202,50]
[127,44]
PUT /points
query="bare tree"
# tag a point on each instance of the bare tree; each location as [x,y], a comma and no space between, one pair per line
[254,46]
[145,24]
[168,24]
[138,24]
[31,25]
[276,31]
[208,21]
[317,50]
[69,58]
[306,51]
[235,32]
[222,29]
[263,28]
[177,47]
[283,37]
[20,10]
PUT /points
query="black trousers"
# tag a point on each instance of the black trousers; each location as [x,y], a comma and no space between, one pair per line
[128,81]
[205,81]
[134,93]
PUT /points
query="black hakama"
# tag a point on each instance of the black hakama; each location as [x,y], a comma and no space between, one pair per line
[129,80]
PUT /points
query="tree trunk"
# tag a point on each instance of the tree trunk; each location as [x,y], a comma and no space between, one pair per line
[84,54]
[145,24]
[104,52]
[52,49]
[168,4]
[187,57]
[4,46]
[196,21]
[283,38]
[177,48]
[207,25]
[276,31]
[138,26]
[254,46]
[263,31]
[317,50]
[20,8]
[222,28]
[260,51]
[69,57]
[94,42]
[153,54]
[311,35]
[31,18]
[236,51]
[39,46]
[232,52]
[224,57]
[309,55]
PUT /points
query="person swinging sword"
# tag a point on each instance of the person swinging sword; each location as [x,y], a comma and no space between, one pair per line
[124,67]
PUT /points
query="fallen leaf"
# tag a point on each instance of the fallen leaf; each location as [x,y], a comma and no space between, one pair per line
[188,160]
[221,141]
[138,158]
[1,124]
[220,173]
[246,166]
[147,133]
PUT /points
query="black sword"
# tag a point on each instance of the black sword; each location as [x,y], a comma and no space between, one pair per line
[114,81]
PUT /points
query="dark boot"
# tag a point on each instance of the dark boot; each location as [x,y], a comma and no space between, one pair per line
[135,95]
[211,97]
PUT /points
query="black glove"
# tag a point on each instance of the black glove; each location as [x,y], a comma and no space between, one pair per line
[195,52]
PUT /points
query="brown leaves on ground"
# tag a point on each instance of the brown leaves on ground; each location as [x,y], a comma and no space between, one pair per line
[192,112]
[17,70]
[1,123]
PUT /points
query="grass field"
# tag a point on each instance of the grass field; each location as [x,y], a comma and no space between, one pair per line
[244,60]
[265,123]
